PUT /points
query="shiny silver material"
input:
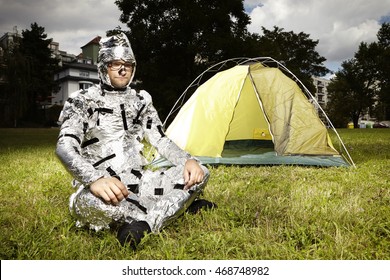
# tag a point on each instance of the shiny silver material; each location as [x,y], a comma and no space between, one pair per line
[116,47]
[102,135]
[160,211]
[94,143]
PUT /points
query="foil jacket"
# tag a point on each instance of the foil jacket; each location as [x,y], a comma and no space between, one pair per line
[102,135]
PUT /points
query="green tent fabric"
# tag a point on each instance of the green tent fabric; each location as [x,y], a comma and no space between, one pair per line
[252,114]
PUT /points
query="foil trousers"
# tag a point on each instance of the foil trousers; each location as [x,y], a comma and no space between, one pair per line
[157,199]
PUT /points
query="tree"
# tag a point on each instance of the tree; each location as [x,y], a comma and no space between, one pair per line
[174,41]
[17,78]
[34,48]
[362,85]
[383,74]
[353,91]
[340,107]
[28,70]
[296,51]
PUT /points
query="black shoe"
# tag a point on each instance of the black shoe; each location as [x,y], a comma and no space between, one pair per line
[200,204]
[133,233]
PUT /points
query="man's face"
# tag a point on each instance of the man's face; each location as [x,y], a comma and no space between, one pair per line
[120,73]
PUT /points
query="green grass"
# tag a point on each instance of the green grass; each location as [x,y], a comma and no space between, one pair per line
[278,212]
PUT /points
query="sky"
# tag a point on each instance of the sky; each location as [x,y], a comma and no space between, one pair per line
[339,25]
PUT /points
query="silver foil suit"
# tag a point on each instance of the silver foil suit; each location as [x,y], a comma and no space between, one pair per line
[102,135]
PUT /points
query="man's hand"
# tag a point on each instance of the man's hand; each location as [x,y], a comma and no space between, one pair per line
[111,190]
[193,173]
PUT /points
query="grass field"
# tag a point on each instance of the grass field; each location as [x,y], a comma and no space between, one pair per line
[278,212]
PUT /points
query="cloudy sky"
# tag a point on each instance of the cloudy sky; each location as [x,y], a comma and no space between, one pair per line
[339,25]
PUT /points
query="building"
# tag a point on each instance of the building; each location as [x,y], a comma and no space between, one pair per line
[8,39]
[80,74]
[91,50]
[7,43]
[321,93]
[77,73]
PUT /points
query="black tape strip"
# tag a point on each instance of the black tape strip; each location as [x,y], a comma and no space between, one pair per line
[104,110]
[76,150]
[149,123]
[136,120]
[124,116]
[139,95]
[89,142]
[136,173]
[134,188]
[158,191]
[136,203]
[179,186]
[113,173]
[85,127]
[103,160]
[73,136]
[159,127]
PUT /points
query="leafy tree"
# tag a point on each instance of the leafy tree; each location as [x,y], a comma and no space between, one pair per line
[174,41]
[362,85]
[340,108]
[383,67]
[34,48]
[17,77]
[27,70]
[296,51]
[353,91]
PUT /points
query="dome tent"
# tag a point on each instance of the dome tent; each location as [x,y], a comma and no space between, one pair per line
[256,112]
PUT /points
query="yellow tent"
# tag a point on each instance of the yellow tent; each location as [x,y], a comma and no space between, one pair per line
[252,114]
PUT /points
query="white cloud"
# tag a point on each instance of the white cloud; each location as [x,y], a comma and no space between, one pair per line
[340,26]
[343,41]
[72,23]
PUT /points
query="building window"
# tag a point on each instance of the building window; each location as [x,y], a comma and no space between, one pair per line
[85,85]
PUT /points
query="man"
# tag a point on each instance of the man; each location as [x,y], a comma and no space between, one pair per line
[101,143]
